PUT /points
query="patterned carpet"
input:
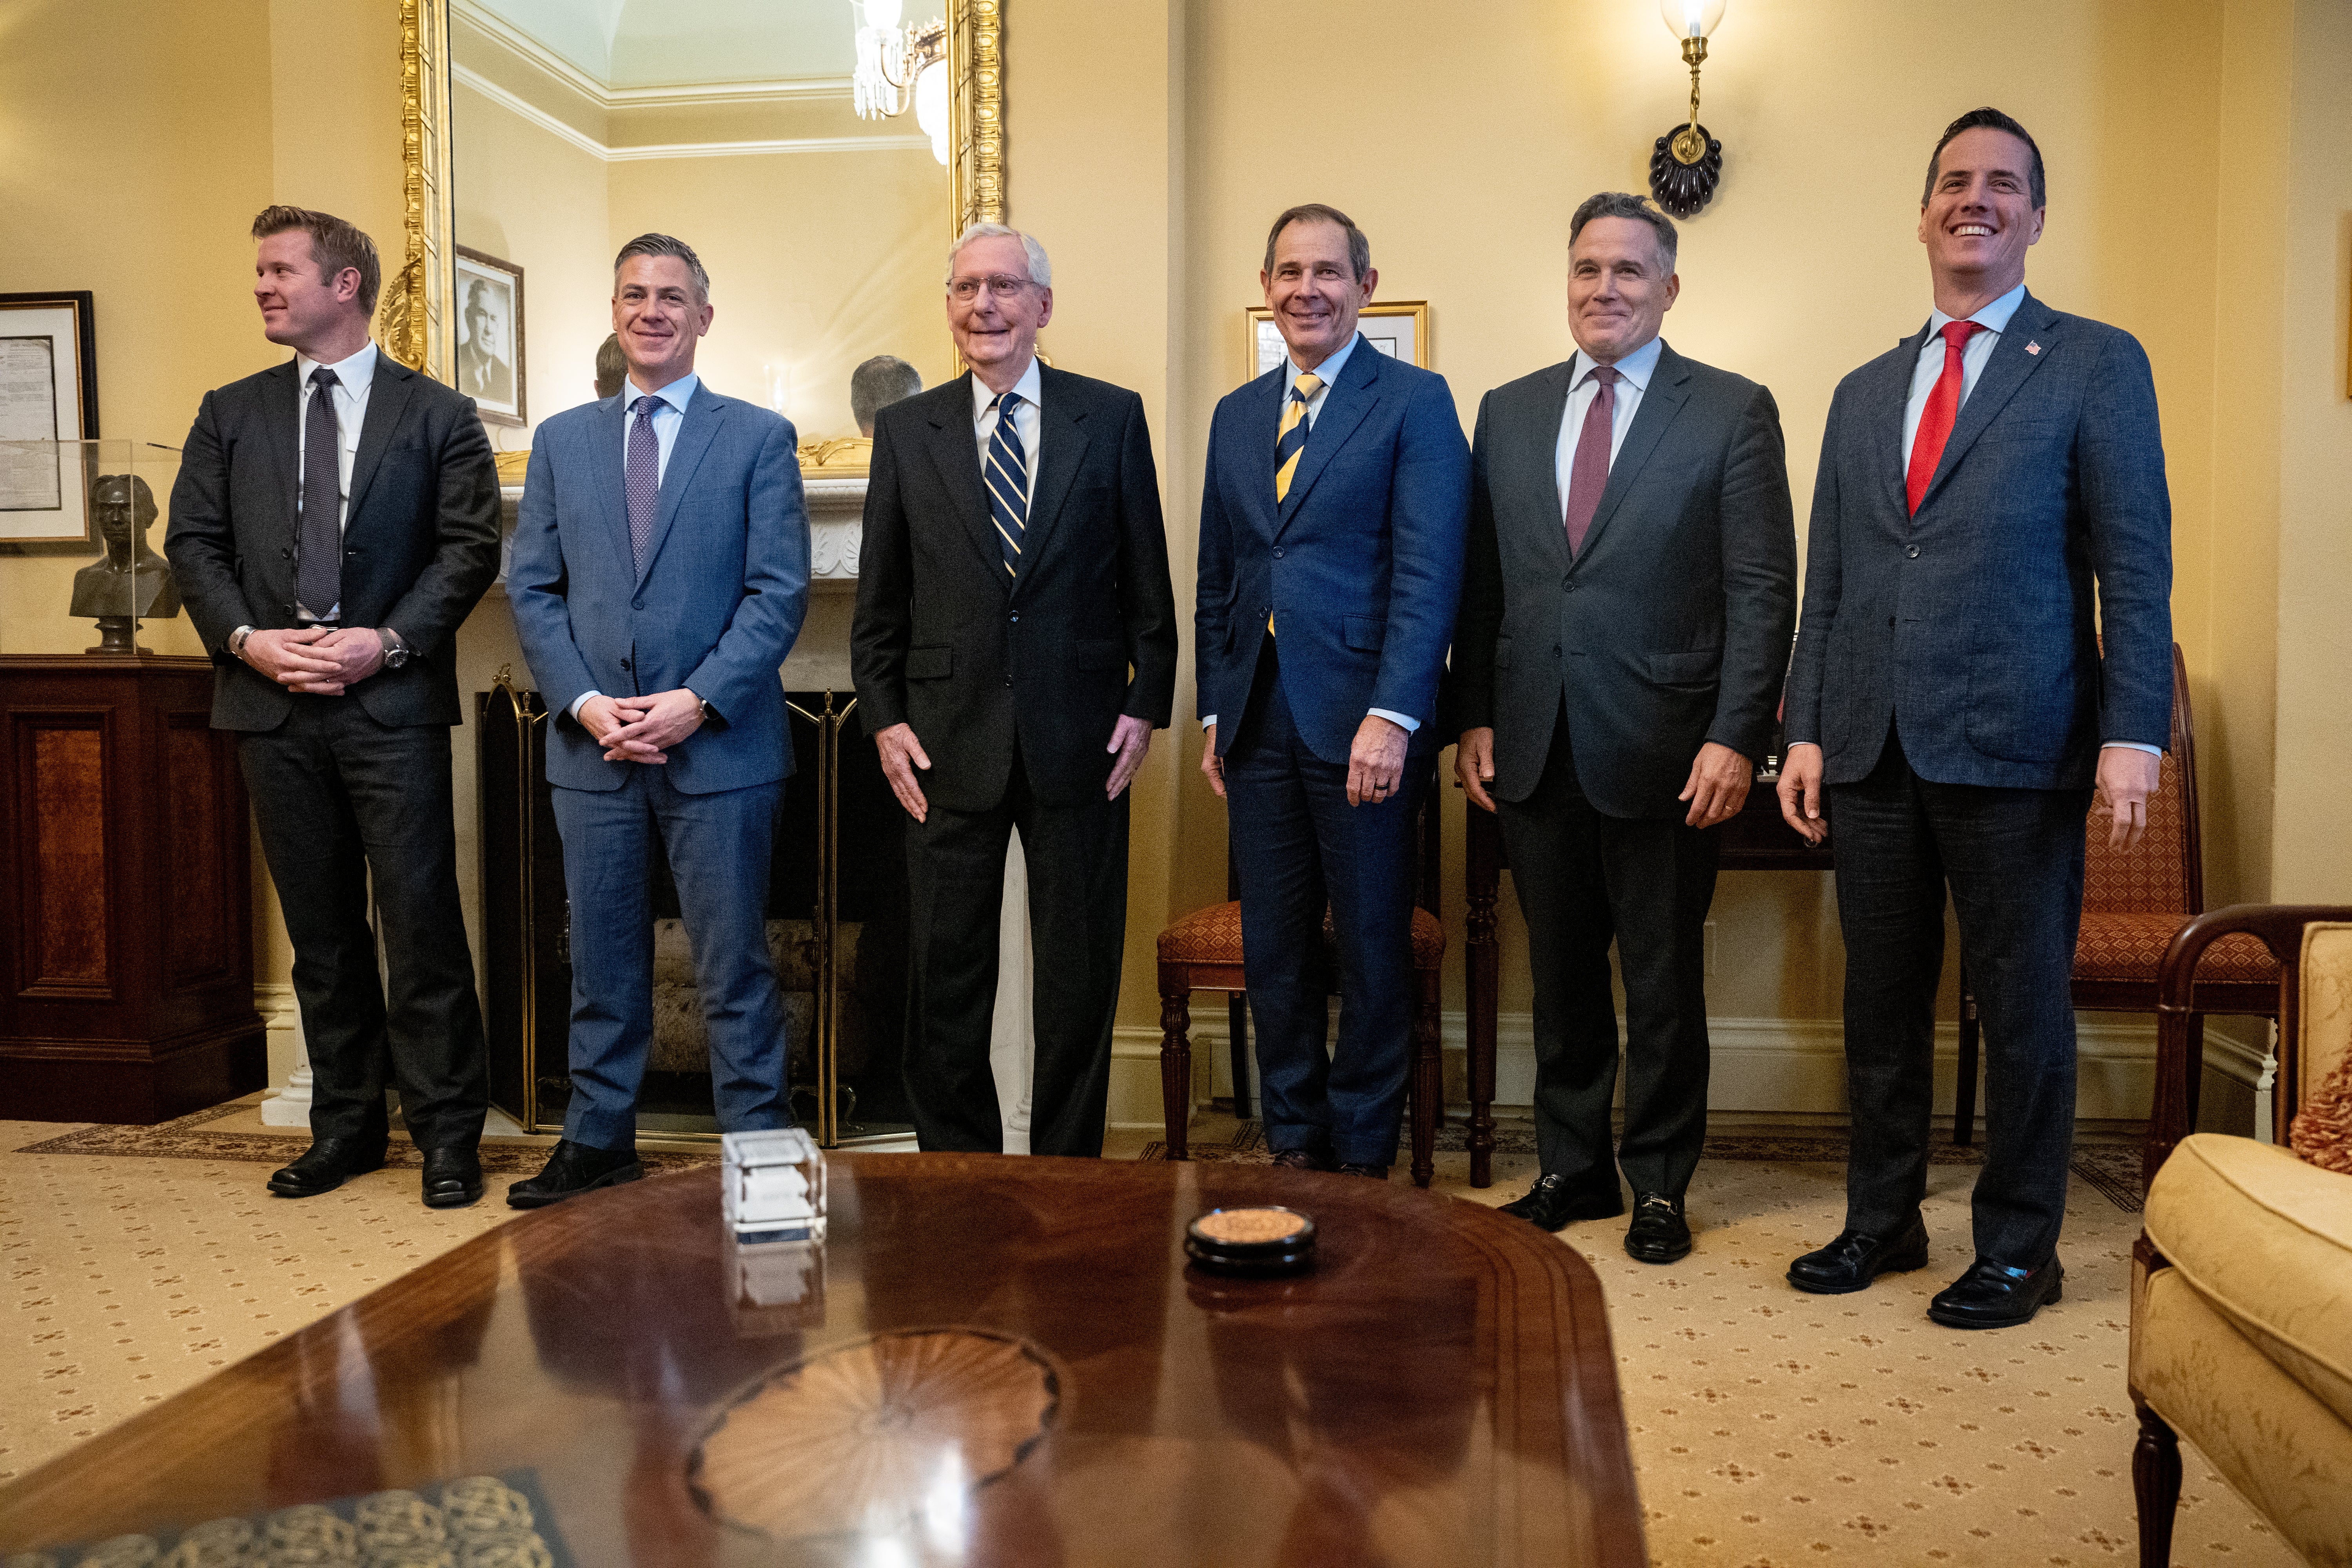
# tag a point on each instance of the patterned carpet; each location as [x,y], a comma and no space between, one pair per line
[196,1137]
[1769,1429]
[2110,1169]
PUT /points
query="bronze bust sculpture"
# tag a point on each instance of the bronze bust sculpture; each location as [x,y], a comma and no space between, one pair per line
[131,582]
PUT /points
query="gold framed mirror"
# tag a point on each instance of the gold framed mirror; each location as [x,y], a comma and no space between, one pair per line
[422,320]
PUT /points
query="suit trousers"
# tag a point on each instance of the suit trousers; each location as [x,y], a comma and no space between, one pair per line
[2013,861]
[1584,878]
[1300,846]
[337,799]
[1077,861]
[718,846]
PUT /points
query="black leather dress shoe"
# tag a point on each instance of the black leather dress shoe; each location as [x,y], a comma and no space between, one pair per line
[1377,1172]
[573,1169]
[1659,1234]
[326,1166]
[1304,1160]
[1554,1201]
[1855,1259]
[1995,1296]
[453,1176]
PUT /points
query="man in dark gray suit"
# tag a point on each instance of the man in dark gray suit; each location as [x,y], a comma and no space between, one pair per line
[1991,496]
[335,520]
[1631,590]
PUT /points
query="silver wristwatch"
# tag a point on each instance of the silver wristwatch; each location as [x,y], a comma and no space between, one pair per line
[395,652]
[237,640]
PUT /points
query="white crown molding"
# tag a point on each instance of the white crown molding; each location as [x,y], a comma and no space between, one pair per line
[693,94]
[465,77]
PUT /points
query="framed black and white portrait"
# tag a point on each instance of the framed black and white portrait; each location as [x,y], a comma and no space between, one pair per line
[48,400]
[489,336]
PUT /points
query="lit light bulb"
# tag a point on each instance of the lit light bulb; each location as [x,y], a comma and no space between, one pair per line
[931,107]
[1683,19]
[886,14]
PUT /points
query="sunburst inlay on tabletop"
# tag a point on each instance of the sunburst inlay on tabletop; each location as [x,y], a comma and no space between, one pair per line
[876,1438]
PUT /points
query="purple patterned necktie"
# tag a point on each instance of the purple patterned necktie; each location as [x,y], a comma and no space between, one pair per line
[1590,475]
[643,479]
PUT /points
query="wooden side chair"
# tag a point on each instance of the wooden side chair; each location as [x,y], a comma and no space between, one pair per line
[1202,951]
[2134,902]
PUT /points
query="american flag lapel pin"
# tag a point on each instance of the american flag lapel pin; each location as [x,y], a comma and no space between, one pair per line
[2033,348]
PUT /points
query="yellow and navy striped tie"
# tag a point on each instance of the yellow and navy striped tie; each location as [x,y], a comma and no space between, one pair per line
[1290,439]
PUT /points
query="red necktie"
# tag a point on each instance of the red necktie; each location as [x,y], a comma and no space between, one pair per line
[1590,475]
[1935,419]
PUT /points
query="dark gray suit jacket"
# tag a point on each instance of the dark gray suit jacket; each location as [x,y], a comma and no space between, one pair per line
[979,663]
[1972,621]
[1670,628]
[420,536]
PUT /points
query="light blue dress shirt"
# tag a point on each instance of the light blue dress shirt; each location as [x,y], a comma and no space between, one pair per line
[669,413]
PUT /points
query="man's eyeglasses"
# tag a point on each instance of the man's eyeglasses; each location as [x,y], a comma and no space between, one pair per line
[1003,285]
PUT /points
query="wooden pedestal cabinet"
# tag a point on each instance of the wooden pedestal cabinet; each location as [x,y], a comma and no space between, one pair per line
[125,895]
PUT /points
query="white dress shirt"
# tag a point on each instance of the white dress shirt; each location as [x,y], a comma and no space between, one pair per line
[669,412]
[1328,374]
[354,379]
[1636,368]
[1026,422]
[1994,319]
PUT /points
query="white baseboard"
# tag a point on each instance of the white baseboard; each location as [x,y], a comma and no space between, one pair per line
[1792,1067]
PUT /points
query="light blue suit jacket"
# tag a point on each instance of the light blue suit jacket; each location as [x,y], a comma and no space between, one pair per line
[1360,565]
[715,610]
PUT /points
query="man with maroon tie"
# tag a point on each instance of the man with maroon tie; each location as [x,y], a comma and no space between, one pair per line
[1626,609]
[1991,496]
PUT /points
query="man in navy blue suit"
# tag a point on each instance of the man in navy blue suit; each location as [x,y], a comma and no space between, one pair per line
[661,563]
[1992,497]
[1332,522]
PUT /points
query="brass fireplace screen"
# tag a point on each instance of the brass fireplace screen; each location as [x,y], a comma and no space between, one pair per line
[837,928]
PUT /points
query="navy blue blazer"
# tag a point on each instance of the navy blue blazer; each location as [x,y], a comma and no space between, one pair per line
[715,611]
[1973,622]
[1360,564]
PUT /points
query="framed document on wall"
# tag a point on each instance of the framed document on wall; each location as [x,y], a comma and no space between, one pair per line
[49,398]
[489,336]
[1398,328]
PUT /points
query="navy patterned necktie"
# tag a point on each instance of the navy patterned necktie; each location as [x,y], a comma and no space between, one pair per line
[1008,484]
[319,572]
[643,482]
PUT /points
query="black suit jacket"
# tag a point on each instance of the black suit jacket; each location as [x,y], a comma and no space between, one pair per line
[979,663]
[420,536]
[1671,628]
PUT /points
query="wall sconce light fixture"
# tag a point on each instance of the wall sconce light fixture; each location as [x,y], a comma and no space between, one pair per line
[1687,164]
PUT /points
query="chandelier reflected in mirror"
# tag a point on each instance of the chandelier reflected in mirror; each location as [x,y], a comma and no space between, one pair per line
[900,66]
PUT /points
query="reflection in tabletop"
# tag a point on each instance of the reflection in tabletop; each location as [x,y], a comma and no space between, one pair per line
[990,1361]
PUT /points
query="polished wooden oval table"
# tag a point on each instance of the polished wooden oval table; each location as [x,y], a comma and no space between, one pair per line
[990,1361]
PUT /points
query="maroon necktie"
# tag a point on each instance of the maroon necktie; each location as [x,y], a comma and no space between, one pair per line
[1935,419]
[1589,475]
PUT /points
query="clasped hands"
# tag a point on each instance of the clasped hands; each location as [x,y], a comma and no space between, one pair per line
[1716,788]
[903,756]
[314,660]
[642,728]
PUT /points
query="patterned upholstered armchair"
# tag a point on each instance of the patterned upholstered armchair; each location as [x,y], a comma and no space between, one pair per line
[2242,1280]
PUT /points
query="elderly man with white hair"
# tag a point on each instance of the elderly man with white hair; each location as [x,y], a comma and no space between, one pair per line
[1014,648]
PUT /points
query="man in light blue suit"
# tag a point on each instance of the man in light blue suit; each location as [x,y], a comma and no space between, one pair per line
[661,564]
[1332,525]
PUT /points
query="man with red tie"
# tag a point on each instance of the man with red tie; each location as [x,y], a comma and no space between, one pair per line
[1991,498]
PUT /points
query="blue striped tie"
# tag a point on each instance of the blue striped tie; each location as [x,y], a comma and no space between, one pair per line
[1008,483]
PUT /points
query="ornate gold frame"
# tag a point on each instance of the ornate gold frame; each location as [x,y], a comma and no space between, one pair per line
[415,322]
